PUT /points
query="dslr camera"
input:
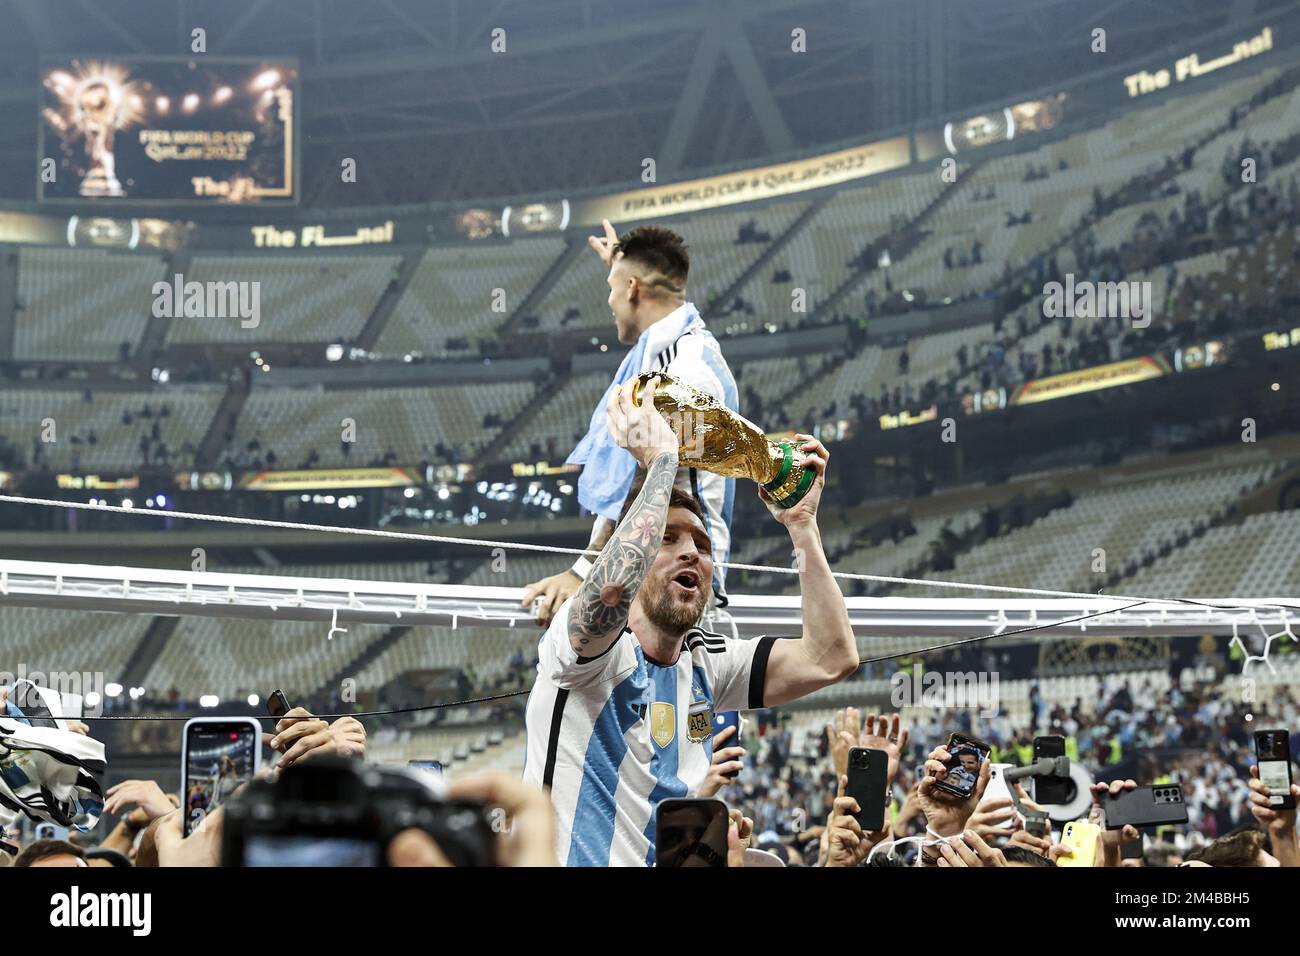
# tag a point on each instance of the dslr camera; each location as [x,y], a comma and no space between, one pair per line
[336,812]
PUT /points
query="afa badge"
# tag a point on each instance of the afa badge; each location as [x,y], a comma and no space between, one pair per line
[699,722]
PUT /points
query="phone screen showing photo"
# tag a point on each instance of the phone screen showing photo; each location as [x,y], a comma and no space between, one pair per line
[967,756]
[219,757]
[1273,751]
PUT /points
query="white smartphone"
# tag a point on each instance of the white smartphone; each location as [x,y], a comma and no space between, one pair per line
[998,790]
[217,755]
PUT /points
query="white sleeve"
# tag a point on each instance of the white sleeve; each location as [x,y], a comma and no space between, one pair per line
[738,671]
[689,366]
[563,666]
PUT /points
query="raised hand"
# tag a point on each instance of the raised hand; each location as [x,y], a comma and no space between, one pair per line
[887,734]
[842,734]
[725,761]
[970,851]
[946,813]
[1111,840]
[805,512]
[604,245]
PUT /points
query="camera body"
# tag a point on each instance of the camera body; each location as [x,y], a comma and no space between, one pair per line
[336,812]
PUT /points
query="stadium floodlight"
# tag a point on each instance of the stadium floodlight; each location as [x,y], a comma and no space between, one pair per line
[112,690]
[409,493]
[253,700]
[190,103]
[128,503]
[221,95]
[209,700]
[333,353]
[91,699]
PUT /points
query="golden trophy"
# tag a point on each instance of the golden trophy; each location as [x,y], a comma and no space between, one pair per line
[94,104]
[716,439]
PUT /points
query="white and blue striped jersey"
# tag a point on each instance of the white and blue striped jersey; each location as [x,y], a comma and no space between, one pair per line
[614,735]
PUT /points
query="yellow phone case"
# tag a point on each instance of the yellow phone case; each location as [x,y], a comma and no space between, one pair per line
[1081,837]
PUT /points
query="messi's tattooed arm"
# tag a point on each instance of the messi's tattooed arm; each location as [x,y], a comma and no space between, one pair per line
[601,607]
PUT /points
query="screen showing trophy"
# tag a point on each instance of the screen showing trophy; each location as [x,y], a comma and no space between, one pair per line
[169,130]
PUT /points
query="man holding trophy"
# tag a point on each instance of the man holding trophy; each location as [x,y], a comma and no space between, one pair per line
[648,269]
[620,716]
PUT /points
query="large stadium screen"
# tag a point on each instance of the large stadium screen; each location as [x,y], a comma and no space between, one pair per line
[169,130]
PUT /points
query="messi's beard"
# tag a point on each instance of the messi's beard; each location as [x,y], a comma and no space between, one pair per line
[668,614]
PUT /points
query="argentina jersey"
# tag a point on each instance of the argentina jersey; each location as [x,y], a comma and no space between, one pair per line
[614,735]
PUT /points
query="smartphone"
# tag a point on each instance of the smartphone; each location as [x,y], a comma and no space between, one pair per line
[433,766]
[1145,806]
[51,831]
[868,771]
[723,720]
[1051,789]
[967,756]
[1273,754]
[1081,837]
[998,790]
[217,755]
[1134,850]
[277,705]
[691,833]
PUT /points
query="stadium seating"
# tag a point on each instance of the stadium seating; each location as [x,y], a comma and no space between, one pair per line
[407,421]
[1116,525]
[451,295]
[80,642]
[317,298]
[1256,558]
[82,305]
[115,420]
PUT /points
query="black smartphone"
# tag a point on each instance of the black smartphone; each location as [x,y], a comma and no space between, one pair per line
[967,756]
[721,721]
[277,705]
[691,833]
[868,771]
[1052,789]
[1273,754]
[1145,806]
[217,755]
[1134,850]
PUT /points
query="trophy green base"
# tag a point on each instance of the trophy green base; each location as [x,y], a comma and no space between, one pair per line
[792,481]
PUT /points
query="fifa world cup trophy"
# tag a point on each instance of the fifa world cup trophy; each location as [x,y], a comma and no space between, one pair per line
[99,111]
[716,439]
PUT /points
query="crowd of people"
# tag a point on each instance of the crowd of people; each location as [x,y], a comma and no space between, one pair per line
[791,786]
[786,797]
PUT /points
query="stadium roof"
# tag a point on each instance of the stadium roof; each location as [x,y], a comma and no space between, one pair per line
[587,89]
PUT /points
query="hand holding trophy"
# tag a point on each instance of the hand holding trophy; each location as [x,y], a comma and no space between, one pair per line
[716,439]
